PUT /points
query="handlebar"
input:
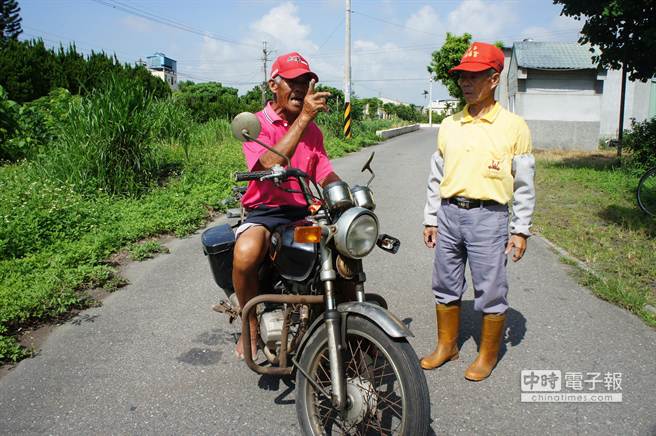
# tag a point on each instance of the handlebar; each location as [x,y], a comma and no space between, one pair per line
[251,175]
[279,174]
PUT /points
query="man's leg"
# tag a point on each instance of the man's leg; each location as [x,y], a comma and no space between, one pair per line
[448,286]
[249,252]
[486,239]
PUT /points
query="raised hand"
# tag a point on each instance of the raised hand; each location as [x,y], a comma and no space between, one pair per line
[314,102]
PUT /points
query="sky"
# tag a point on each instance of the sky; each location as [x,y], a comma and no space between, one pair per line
[222,40]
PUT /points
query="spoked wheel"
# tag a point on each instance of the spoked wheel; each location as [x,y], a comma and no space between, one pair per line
[386,389]
[647,192]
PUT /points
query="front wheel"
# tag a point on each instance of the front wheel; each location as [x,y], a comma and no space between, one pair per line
[386,389]
[647,192]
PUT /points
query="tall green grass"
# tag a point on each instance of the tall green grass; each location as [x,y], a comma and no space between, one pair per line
[108,141]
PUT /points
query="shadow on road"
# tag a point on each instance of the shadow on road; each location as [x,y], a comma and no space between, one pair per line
[470,326]
[272,383]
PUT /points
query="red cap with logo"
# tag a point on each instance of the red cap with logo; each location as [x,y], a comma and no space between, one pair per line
[481,56]
[290,66]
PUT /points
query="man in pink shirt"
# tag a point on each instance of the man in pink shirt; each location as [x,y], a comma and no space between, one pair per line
[288,126]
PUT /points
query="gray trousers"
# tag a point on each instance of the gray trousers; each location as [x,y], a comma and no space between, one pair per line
[478,235]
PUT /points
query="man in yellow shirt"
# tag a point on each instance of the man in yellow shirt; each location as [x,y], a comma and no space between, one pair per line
[482,163]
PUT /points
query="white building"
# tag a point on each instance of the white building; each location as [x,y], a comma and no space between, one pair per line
[447,106]
[567,101]
[164,68]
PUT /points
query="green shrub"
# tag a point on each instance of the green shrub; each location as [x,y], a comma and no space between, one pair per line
[106,143]
[30,70]
[641,142]
[207,101]
[9,112]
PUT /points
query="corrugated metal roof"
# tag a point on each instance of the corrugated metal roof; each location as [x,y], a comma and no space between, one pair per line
[553,55]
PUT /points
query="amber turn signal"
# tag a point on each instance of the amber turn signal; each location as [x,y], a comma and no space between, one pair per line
[307,234]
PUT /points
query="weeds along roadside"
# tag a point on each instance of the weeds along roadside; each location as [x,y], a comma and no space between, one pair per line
[586,205]
[123,167]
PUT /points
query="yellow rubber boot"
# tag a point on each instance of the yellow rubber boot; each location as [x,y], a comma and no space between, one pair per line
[492,331]
[448,327]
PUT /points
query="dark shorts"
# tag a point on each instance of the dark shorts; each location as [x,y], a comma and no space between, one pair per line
[272,217]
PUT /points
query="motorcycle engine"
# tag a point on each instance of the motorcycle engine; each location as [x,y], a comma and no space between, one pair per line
[271,324]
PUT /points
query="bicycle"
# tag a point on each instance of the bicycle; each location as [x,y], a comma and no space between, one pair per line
[646,193]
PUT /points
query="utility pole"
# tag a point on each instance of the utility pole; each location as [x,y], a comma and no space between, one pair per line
[620,133]
[430,100]
[265,59]
[347,73]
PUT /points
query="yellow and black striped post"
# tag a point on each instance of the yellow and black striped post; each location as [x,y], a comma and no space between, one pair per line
[347,120]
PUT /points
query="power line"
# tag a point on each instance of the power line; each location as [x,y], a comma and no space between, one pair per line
[371,17]
[331,34]
[166,21]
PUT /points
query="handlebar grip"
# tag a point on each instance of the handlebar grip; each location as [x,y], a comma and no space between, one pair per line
[251,175]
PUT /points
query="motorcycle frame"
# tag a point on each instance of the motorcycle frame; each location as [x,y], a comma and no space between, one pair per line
[333,316]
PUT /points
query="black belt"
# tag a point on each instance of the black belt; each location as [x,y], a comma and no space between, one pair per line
[468,203]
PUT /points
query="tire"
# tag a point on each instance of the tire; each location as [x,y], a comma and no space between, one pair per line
[646,192]
[377,368]
[376,299]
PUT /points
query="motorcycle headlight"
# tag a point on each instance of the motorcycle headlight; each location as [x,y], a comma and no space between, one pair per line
[357,232]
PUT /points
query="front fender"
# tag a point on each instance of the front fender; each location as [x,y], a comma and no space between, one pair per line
[383,318]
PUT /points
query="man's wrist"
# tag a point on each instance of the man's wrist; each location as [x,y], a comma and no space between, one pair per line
[304,119]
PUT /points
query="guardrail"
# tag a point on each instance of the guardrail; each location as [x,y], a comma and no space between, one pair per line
[390,133]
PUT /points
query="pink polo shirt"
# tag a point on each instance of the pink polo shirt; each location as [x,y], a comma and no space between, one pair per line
[310,156]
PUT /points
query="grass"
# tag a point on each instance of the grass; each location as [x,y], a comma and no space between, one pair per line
[56,239]
[146,250]
[586,204]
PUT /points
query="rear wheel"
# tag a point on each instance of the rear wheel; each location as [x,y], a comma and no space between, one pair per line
[647,192]
[386,389]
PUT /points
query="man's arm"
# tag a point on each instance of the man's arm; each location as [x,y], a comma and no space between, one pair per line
[331,177]
[523,204]
[433,199]
[313,103]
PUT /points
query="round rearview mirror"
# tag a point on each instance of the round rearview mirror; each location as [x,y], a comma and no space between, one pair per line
[248,123]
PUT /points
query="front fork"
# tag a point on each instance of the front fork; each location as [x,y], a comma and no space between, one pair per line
[331,318]
[334,329]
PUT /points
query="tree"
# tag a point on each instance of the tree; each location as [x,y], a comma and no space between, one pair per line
[210,100]
[623,30]
[448,57]
[10,20]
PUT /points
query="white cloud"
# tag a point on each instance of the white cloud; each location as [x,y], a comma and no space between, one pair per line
[282,26]
[240,65]
[424,21]
[486,20]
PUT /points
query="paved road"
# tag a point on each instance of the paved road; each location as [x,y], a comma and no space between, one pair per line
[154,359]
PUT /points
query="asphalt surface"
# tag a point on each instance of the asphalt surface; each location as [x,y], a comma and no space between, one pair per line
[154,359]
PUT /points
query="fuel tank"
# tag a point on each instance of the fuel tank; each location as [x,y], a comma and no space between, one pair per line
[294,260]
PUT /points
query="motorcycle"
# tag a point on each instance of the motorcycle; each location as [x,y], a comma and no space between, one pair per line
[355,371]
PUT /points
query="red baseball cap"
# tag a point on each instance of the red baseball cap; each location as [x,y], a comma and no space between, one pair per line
[481,56]
[290,66]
